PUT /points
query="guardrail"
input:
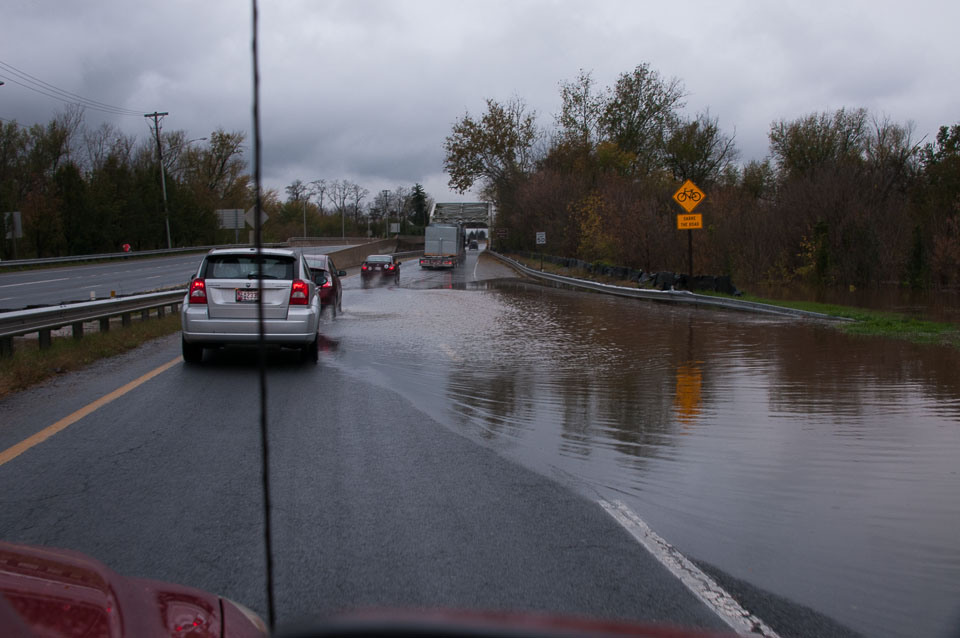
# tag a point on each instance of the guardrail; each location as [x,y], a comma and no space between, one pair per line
[668,296]
[44,320]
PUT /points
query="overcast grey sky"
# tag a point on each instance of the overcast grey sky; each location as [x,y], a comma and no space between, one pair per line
[367,90]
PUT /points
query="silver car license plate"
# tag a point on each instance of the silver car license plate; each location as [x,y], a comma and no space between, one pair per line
[248,295]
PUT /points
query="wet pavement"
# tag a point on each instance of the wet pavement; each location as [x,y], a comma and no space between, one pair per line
[820,467]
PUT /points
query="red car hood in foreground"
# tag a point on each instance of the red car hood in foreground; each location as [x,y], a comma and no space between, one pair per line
[444,623]
[53,593]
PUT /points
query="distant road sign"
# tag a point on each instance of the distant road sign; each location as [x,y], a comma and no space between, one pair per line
[230,218]
[251,219]
[502,233]
[689,196]
[689,222]
[13,224]
[541,239]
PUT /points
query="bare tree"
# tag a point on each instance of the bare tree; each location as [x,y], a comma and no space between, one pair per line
[320,188]
[339,193]
[357,194]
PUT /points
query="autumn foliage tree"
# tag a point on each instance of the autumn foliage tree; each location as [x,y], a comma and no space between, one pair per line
[845,197]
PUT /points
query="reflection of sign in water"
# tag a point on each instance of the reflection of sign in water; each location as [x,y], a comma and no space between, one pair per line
[687,400]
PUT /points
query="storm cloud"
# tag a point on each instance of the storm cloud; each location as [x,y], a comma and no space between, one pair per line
[367,90]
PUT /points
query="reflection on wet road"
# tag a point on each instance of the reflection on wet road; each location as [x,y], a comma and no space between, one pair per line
[818,466]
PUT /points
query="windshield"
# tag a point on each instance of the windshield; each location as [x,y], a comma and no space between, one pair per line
[628,312]
[245,267]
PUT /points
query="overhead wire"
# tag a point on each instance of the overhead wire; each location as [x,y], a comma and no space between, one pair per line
[12,74]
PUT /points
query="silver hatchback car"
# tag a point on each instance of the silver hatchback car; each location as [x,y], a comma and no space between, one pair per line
[220,307]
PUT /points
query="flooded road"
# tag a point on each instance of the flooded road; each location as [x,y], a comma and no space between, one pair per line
[820,467]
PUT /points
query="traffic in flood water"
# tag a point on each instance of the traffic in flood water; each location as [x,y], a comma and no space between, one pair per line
[778,453]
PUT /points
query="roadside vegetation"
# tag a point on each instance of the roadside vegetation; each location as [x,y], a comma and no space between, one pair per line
[844,198]
[30,365]
[81,191]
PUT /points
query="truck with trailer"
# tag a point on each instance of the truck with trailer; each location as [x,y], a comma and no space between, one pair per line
[444,246]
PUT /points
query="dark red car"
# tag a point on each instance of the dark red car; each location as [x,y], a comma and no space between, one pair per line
[379,268]
[327,278]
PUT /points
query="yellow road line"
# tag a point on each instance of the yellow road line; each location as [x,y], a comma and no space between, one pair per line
[13,452]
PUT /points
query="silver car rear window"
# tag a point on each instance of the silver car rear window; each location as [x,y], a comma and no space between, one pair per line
[245,267]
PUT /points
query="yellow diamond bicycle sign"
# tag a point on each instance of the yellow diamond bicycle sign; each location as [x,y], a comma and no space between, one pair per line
[689,196]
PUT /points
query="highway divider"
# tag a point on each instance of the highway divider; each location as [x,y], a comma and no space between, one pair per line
[354,256]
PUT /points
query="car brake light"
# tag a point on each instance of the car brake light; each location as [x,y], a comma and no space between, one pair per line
[363,267]
[327,284]
[299,293]
[198,292]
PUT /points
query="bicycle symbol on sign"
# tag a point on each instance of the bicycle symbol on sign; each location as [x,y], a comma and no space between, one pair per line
[691,193]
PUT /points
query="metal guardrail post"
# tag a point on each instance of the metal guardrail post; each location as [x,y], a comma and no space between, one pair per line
[77,330]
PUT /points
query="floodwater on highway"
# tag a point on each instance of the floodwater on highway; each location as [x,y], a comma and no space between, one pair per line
[820,467]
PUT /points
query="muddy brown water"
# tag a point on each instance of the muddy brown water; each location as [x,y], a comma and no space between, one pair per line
[822,467]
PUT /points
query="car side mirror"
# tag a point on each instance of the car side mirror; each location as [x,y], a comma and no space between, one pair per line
[341,273]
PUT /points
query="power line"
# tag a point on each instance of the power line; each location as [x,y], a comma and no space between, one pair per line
[27,81]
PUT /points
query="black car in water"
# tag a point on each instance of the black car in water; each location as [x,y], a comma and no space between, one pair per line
[376,268]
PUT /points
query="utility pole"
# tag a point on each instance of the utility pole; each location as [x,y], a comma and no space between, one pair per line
[386,212]
[163,180]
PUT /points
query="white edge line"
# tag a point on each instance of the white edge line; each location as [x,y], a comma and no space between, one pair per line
[703,587]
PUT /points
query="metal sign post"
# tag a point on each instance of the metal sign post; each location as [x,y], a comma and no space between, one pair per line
[689,197]
[541,241]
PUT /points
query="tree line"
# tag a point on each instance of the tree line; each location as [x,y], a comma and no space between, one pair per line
[87,191]
[322,208]
[843,198]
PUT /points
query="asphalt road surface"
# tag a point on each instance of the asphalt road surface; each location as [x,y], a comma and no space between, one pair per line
[377,501]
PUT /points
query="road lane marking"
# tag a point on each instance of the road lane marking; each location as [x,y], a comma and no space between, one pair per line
[13,452]
[703,587]
[34,283]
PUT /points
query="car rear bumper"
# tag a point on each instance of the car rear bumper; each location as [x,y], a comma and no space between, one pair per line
[299,328]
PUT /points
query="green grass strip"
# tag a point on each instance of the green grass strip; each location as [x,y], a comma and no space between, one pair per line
[30,365]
